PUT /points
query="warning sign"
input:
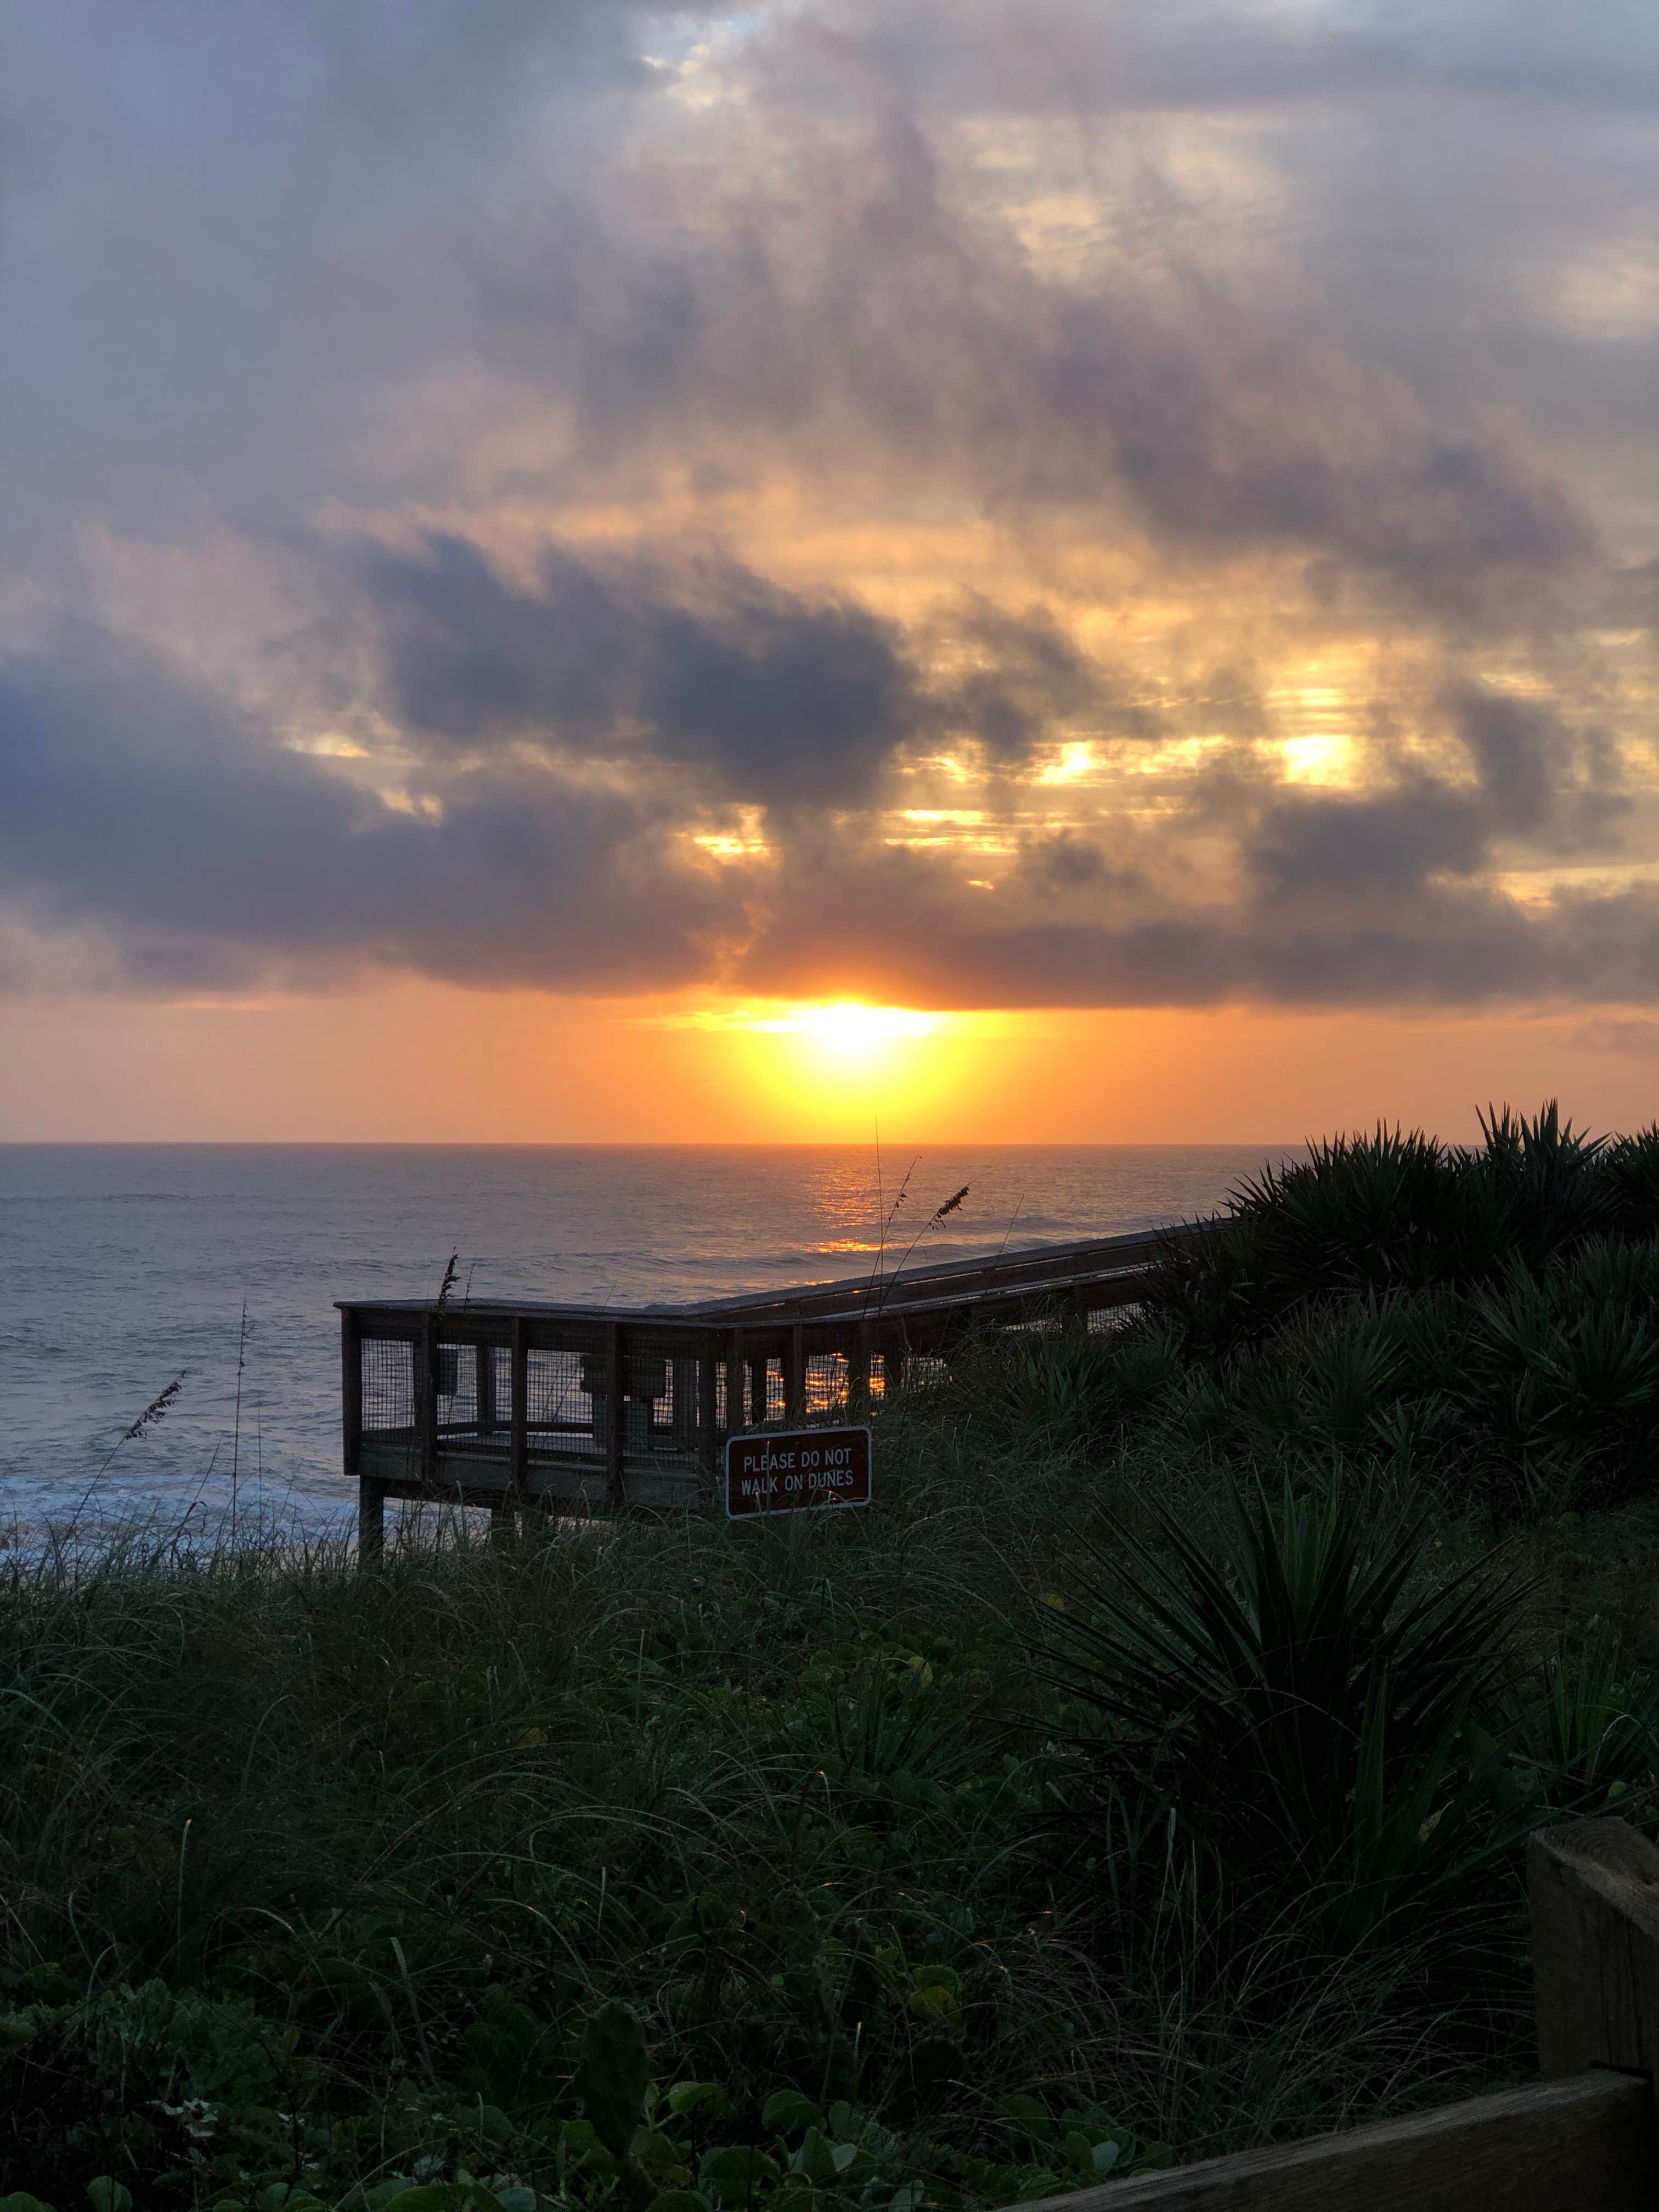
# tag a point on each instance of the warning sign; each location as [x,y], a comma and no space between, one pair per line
[789,1470]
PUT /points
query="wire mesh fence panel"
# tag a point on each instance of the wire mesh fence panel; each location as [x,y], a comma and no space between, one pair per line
[759,1394]
[685,1399]
[660,1420]
[494,1391]
[1106,1321]
[388,1370]
[560,1402]
[829,1377]
[458,1388]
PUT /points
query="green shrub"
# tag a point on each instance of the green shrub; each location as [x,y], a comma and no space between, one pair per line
[1300,1694]
[1397,1211]
[1581,1733]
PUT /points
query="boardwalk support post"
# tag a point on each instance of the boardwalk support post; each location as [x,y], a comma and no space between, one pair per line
[518,1448]
[709,1455]
[371,1524]
[759,1369]
[483,1388]
[794,1376]
[858,1375]
[736,1386]
[371,1495]
[616,1434]
[1593,1897]
[426,1402]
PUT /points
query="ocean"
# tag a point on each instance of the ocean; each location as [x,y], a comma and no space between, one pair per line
[124,1265]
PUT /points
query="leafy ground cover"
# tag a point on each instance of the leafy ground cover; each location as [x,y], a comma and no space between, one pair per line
[1143,1774]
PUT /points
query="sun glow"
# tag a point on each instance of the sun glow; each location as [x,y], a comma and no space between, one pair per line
[831,1068]
[849,1027]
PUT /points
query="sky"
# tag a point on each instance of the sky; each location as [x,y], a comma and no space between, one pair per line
[551,554]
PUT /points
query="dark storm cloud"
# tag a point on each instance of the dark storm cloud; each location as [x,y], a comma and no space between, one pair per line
[910,932]
[465,655]
[776,699]
[135,805]
[1065,865]
[1335,844]
[1385,843]
[1020,679]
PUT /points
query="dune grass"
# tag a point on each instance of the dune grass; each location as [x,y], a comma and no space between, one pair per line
[315,1881]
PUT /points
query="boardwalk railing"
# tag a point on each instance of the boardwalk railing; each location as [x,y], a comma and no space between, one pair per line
[1581,2139]
[584,1409]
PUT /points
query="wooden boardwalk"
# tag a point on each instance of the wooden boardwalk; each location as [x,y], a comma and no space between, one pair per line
[589,1409]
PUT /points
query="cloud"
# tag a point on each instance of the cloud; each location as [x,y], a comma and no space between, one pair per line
[140,808]
[983,504]
[1635,1040]
[1528,782]
[909,933]
[775,698]
[1344,846]
[543,832]
[1017,679]
[1165,399]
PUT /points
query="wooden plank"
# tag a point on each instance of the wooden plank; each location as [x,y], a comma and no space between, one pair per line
[849,1293]
[1110,1288]
[794,1376]
[709,1451]
[683,1402]
[426,1399]
[1028,1267]
[1593,1897]
[351,1391]
[371,1522]
[519,1406]
[483,1385]
[1584,2145]
[987,1289]
[858,1375]
[616,1434]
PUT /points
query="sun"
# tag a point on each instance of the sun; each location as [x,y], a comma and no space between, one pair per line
[848,1029]
[834,1067]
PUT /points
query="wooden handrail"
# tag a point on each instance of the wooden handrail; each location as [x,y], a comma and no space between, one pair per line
[950,1278]
[933,1286]
[1586,2141]
[1577,2146]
